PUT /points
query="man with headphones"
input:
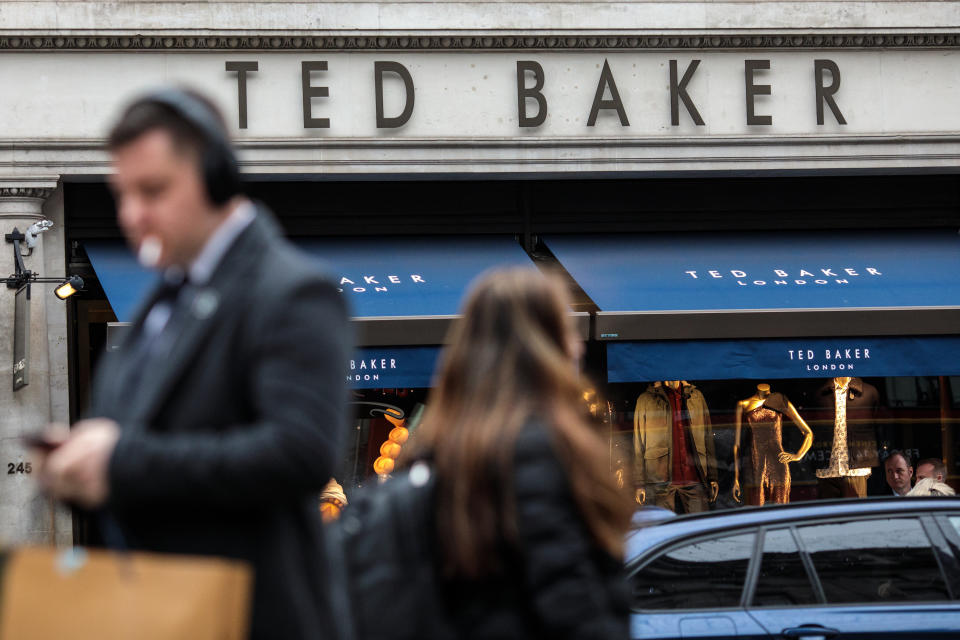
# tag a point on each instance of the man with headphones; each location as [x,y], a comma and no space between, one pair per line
[218,422]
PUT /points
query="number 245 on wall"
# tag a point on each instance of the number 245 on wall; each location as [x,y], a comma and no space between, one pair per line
[13,468]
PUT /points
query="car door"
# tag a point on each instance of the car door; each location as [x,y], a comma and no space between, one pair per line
[946,538]
[876,579]
[694,589]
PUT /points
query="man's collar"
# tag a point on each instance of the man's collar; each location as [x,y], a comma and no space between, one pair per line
[217,245]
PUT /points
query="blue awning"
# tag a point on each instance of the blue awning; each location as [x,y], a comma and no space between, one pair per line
[402,291]
[380,276]
[771,359]
[123,280]
[390,277]
[767,284]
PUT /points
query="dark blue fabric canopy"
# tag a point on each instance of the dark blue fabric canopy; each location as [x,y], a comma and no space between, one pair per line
[412,276]
[395,277]
[379,276]
[123,280]
[768,270]
[777,297]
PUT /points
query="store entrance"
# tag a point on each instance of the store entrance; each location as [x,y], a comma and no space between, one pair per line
[525,210]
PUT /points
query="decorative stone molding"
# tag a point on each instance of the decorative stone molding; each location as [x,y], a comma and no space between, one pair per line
[26,192]
[23,198]
[478,42]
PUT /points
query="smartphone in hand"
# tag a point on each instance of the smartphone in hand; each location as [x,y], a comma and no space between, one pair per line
[40,441]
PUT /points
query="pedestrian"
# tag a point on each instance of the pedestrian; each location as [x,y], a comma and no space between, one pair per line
[217,423]
[529,519]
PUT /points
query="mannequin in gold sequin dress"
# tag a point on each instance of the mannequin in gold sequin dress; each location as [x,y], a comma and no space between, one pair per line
[764,413]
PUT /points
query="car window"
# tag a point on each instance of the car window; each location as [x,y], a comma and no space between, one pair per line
[783,580]
[883,560]
[703,575]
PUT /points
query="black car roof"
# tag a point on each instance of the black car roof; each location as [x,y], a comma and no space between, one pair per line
[654,534]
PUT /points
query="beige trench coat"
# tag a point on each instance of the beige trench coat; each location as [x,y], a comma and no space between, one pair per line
[653,436]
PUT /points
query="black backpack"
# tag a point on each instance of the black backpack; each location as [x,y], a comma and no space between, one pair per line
[383,550]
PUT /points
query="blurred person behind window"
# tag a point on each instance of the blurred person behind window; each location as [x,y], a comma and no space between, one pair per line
[530,520]
[931,468]
[931,473]
[899,472]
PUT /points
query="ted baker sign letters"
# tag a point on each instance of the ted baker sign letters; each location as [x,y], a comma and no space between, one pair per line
[533,97]
[788,277]
[476,95]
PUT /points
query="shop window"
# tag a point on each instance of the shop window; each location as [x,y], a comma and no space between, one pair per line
[783,580]
[701,445]
[384,419]
[874,561]
[708,574]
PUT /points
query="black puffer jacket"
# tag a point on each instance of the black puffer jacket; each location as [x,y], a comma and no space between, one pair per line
[557,583]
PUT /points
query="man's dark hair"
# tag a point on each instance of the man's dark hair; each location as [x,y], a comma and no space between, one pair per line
[897,452]
[146,115]
[195,127]
[938,466]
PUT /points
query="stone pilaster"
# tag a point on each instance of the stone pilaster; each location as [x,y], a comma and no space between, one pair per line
[26,516]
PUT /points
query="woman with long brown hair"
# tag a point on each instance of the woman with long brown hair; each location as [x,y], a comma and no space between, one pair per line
[529,520]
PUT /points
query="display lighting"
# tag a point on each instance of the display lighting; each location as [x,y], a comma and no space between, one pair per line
[384,465]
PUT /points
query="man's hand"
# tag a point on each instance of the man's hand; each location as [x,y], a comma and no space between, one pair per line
[76,471]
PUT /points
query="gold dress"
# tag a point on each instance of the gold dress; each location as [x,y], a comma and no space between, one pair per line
[771,478]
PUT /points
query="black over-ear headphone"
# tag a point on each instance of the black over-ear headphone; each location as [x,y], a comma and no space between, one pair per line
[220,172]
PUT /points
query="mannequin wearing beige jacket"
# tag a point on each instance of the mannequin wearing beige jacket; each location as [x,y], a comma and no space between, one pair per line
[653,443]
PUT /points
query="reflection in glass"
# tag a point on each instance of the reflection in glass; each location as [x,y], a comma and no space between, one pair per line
[702,575]
[783,580]
[886,560]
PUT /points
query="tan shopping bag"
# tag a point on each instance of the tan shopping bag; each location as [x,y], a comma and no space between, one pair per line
[103,595]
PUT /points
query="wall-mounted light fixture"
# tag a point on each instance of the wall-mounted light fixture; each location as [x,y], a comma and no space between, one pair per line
[23,276]
[68,288]
[21,279]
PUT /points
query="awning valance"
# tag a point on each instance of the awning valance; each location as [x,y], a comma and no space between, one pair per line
[772,359]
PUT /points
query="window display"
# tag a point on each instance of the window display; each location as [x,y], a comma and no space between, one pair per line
[383,421]
[673,447]
[716,444]
[853,449]
[764,413]
[693,446]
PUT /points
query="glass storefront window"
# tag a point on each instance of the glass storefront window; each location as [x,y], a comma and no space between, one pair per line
[745,442]
[693,446]
[382,421]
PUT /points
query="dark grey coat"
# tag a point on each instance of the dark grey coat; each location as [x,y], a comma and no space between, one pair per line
[230,435]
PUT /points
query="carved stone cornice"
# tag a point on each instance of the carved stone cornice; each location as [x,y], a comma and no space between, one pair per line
[476,42]
[26,192]
[23,198]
